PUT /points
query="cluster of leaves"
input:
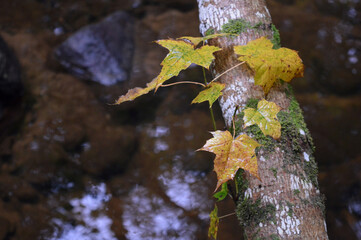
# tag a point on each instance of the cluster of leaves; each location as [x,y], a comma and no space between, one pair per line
[268,65]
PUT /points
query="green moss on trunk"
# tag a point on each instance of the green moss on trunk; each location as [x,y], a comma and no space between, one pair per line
[238,26]
[209,31]
[248,211]
[251,213]
[276,39]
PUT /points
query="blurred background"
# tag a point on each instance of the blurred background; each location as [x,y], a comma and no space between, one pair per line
[74,167]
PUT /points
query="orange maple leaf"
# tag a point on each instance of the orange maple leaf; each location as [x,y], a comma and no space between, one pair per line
[232,154]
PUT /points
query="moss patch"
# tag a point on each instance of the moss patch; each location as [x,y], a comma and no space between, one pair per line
[241,183]
[238,26]
[276,39]
[274,171]
[296,135]
[209,31]
[252,103]
[274,237]
[296,192]
[319,202]
[251,212]
[311,170]
[290,209]
[267,142]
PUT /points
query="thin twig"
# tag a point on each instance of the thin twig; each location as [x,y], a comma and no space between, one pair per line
[210,109]
[234,126]
[214,79]
[188,82]
[204,76]
[227,215]
[213,120]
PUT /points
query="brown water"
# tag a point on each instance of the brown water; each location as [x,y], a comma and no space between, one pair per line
[73,167]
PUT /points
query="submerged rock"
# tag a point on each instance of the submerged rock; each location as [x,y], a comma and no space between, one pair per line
[101,52]
[10,76]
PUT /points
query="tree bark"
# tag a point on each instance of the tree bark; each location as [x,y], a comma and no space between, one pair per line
[285,203]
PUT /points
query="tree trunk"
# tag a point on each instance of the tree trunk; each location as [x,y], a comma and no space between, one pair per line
[286,202]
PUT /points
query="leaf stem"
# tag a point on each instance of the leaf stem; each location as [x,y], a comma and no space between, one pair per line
[234,125]
[214,79]
[204,76]
[210,109]
[182,82]
[214,122]
[227,215]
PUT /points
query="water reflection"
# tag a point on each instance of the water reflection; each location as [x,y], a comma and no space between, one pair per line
[158,132]
[88,220]
[184,189]
[175,203]
[148,216]
[354,207]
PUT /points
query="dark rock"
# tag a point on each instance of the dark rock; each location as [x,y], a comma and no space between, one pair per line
[10,76]
[181,5]
[5,228]
[101,52]
[35,222]
[11,186]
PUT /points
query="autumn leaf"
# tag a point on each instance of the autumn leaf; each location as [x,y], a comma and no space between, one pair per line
[222,194]
[136,92]
[210,94]
[213,226]
[181,55]
[232,154]
[270,64]
[265,116]
[197,40]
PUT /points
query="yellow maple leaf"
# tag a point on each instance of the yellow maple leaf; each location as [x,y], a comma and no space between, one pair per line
[210,94]
[270,64]
[232,154]
[265,116]
[213,226]
[136,92]
[181,55]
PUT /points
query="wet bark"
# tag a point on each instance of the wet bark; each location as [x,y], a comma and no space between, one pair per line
[286,202]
